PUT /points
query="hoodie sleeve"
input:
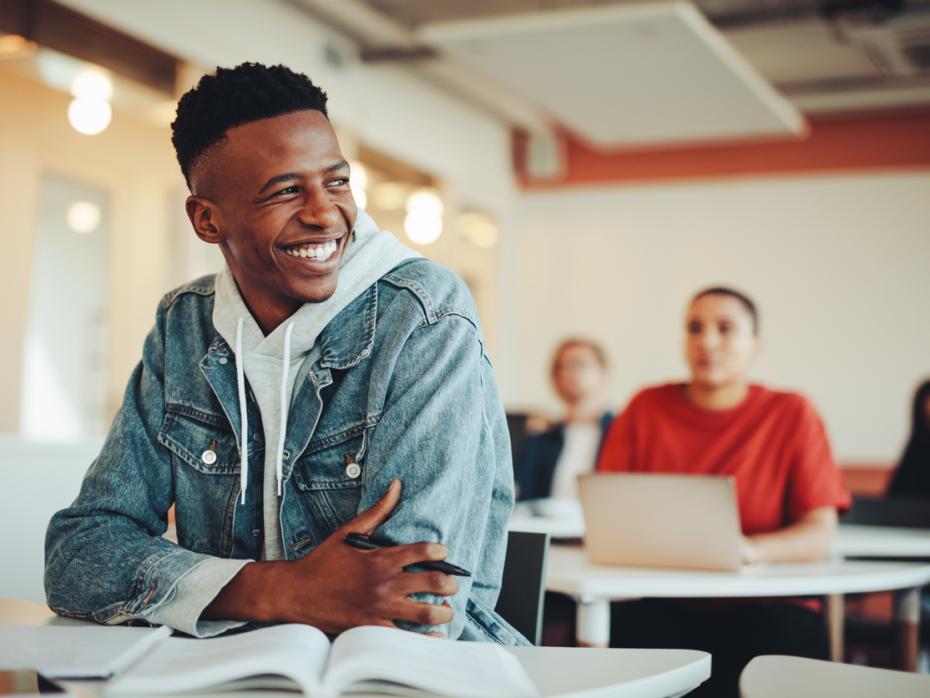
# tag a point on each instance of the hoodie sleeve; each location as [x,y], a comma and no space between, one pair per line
[105,557]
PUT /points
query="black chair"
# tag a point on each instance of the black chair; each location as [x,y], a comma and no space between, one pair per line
[907,512]
[520,602]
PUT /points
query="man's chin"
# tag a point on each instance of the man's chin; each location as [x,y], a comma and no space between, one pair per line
[316,293]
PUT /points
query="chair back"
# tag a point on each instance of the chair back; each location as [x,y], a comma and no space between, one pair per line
[906,512]
[520,602]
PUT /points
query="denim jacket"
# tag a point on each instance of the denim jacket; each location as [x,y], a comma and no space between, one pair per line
[398,383]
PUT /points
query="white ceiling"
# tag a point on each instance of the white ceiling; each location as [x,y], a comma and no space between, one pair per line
[743,73]
[624,76]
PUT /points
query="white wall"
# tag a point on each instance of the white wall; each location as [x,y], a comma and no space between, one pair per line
[839,265]
[38,480]
[132,162]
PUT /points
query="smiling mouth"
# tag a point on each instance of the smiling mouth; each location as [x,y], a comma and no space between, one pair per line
[317,252]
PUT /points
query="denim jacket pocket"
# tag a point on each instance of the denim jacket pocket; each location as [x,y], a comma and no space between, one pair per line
[206,477]
[329,476]
[201,440]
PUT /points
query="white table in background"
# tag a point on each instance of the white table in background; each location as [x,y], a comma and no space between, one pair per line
[594,586]
[556,671]
[886,543]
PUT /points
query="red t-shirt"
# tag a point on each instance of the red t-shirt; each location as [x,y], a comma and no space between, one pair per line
[774,443]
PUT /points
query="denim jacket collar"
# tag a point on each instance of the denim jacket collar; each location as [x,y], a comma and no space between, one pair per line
[350,336]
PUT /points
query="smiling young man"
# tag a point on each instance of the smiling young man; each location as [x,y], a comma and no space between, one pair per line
[303,393]
[788,487]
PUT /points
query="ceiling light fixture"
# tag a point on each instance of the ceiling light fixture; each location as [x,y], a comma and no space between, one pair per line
[89,112]
[83,217]
[423,223]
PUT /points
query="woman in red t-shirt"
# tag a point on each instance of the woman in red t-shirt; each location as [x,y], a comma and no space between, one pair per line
[788,486]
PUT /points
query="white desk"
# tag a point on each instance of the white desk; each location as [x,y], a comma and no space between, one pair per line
[594,586]
[556,527]
[888,542]
[556,671]
[775,677]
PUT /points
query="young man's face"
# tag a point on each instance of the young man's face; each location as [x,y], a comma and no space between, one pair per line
[720,343]
[280,208]
[577,373]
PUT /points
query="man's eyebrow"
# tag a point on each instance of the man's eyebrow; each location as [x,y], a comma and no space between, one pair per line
[286,177]
[278,180]
[342,164]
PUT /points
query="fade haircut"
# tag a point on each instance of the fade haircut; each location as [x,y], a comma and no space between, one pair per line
[744,300]
[235,96]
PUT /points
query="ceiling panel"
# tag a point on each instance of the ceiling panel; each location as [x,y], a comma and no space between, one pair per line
[624,75]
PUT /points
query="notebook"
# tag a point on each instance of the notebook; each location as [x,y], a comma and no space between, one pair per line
[369,659]
[75,651]
[661,520]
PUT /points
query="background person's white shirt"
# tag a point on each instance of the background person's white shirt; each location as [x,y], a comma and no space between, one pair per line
[579,452]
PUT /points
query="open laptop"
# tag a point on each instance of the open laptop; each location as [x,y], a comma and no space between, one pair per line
[661,520]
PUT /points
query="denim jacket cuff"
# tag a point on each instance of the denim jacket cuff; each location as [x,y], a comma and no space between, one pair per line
[189,587]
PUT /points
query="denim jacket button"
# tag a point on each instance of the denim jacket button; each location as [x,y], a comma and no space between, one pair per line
[353,470]
[208,456]
[224,360]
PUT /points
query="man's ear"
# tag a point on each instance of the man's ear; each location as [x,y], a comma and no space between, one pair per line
[205,218]
[759,346]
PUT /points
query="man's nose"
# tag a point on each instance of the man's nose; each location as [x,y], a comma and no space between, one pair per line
[710,338]
[319,211]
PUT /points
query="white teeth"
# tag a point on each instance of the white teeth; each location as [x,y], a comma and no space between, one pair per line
[318,253]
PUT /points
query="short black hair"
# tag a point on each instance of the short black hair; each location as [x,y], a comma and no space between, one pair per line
[745,300]
[235,96]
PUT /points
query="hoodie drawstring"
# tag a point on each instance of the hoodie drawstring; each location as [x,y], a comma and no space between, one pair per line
[282,429]
[243,413]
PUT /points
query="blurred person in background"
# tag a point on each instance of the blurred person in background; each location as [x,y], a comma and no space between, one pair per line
[550,462]
[912,476]
[788,487]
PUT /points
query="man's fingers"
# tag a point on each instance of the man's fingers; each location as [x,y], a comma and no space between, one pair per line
[431,582]
[424,613]
[412,553]
[369,520]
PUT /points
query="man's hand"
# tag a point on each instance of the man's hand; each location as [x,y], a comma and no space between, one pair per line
[336,587]
[749,551]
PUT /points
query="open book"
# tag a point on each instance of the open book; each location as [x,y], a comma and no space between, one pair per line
[366,659]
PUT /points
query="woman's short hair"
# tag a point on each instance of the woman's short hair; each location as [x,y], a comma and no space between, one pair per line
[571,342]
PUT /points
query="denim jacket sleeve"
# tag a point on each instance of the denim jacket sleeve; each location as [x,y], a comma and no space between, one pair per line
[443,434]
[105,558]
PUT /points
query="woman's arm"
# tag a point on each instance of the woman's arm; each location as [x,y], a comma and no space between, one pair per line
[806,540]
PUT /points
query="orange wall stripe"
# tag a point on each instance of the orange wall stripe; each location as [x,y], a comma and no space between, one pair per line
[886,140]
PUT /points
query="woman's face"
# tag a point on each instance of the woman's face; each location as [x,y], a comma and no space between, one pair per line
[719,341]
[578,373]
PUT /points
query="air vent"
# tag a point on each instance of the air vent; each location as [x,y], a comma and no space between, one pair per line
[899,46]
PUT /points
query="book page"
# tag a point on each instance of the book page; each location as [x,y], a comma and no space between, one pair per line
[446,667]
[297,652]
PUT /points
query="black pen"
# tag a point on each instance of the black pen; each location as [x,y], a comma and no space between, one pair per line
[365,542]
